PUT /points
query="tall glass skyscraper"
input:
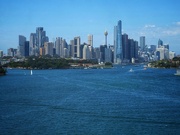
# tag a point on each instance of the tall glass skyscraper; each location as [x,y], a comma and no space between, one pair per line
[118,53]
[142,43]
[22,40]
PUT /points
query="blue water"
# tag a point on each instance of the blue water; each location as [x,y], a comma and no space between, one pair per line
[90,102]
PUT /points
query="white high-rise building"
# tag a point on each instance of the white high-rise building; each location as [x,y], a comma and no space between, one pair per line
[172,54]
[162,53]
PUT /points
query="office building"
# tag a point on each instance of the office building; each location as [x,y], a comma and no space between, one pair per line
[21,46]
[108,55]
[42,51]
[118,53]
[125,48]
[49,48]
[32,44]
[76,47]
[86,52]
[142,43]
[162,53]
[1,53]
[171,55]
[90,40]
[102,52]
[41,38]
[160,43]
[10,52]
[58,46]
[26,48]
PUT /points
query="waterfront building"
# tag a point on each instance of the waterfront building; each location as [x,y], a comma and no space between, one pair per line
[172,54]
[102,53]
[166,46]
[66,53]
[49,48]
[10,52]
[42,51]
[108,55]
[58,44]
[63,46]
[162,53]
[41,38]
[125,48]
[118,53]
[76,47]
[1,53]
[32,44]
[142,43]
[86,52]
[97,53]
[90,40]
[160,43]
[26,48]
[152,48]
[21,46]
[136,48]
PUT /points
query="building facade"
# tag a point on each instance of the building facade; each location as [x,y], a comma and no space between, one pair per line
[118,53]
[142,43]
[21,47]
[32,44]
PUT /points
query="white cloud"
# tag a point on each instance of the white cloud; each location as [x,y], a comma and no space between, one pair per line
[177,23]
[149,26]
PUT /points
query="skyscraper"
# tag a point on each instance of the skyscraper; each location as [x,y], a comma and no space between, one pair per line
[49,48]
[76,47]
[41,38]
[125,47]
[142,43]
[26,48]
[1,53]
[22,40]
[32,44]
[90,40]
[160,43]
[58,45]
[118,54]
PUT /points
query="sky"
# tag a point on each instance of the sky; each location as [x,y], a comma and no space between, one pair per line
[154,19]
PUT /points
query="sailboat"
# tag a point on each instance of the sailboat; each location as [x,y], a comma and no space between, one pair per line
[31,72]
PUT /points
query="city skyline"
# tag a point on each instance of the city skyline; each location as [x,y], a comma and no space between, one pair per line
[71,18]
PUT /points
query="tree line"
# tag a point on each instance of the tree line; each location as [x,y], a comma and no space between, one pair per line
[174,63]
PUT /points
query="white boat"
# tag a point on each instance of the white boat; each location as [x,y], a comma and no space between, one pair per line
[177,72]
[31,72]
[131,70]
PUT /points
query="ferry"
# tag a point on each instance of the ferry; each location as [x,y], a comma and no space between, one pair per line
[177,71]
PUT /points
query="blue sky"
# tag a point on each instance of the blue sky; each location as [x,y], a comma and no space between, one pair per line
[69,18]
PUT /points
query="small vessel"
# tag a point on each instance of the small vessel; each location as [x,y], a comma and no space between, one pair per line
[177,71]
[31,72]
[131,70]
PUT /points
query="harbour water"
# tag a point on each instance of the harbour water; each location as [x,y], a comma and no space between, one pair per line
[90,102]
